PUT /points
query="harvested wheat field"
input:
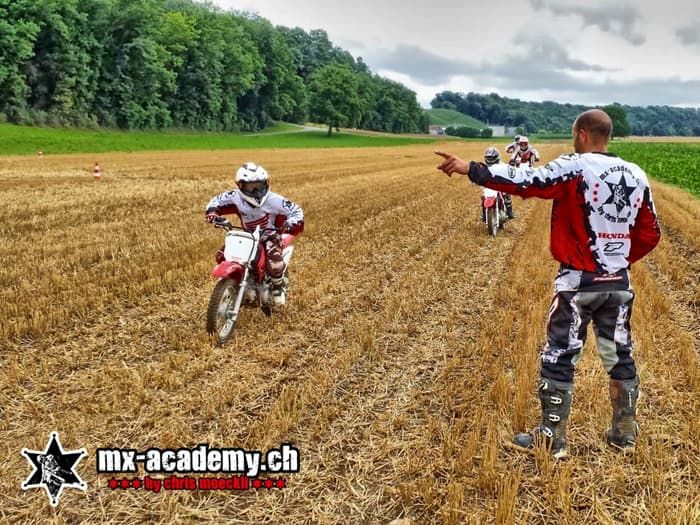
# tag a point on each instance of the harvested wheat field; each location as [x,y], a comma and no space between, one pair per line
[407,356]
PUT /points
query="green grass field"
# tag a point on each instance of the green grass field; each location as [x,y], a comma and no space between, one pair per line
[25,140]
[675,163]
[448,117]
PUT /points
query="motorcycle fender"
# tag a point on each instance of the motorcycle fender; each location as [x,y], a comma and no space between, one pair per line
[228,269]
[489,202]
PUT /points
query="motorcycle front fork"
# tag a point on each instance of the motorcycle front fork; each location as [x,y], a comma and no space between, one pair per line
[239,296]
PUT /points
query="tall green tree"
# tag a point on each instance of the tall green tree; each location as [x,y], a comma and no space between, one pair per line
[136,80]
[158,63]
[18,32]
[279,94]
[617,114]
[334,97]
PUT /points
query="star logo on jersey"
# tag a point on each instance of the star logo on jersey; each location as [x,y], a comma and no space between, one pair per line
[53,469]
[620,194]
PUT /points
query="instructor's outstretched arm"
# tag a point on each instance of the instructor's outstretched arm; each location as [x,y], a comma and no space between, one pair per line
[452,164]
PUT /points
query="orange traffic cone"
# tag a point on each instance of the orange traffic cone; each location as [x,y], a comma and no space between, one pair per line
[96,171]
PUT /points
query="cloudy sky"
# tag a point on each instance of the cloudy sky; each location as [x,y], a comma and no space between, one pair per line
[579,51]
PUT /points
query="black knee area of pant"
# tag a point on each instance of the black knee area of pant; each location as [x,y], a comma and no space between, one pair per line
[623,373]
[557,372]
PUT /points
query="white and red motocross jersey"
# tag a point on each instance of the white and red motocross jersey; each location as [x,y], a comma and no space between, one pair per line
[275,211]
[524,156]
[510,148]
[603,217]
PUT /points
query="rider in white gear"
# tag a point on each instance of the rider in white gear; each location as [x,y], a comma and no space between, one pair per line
[511,147]
[524,153]
[256,205]
[491,158]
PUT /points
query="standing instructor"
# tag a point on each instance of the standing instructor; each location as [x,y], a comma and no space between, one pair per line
[603,220]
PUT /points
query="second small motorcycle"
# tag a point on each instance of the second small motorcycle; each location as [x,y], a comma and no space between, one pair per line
[494,210]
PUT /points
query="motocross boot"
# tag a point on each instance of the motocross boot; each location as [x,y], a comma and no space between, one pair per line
[623,396]
[508,200]
[278,292]
[555,397]
[251,292]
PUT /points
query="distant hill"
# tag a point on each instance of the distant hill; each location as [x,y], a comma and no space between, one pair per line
[449,117]
[553,117]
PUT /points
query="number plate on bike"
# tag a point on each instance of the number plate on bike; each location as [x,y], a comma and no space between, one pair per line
[239,247]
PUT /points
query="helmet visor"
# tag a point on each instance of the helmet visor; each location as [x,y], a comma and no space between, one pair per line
[251,187]
[256,189]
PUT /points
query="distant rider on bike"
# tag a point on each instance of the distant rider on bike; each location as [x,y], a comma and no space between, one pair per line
[256,205]
[511,147]
[491,158]
[524,154]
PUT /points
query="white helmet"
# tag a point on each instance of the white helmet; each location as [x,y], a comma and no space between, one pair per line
[254,183]
[524,142]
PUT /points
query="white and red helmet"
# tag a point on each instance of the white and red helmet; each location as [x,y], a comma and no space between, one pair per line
[523,142]
[254,183]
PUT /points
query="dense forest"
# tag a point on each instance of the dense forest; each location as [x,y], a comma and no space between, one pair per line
[140,64]
[552,117]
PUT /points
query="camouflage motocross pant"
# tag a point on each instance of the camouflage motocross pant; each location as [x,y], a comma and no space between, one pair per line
[569,316]
[272,242]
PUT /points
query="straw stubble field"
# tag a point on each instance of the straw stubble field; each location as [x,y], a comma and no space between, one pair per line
[407,357]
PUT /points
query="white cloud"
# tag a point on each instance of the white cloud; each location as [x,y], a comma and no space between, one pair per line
[578,51]
[689,35]
[621,19]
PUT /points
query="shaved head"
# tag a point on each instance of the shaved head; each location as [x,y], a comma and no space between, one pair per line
[596,123]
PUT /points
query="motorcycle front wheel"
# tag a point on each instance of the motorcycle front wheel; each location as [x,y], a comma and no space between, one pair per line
[220,313]
[492,221]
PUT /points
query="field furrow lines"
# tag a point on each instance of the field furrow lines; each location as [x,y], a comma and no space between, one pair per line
[405,360]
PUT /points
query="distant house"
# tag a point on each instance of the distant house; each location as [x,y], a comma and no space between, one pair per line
[502,131]
[437,130]
[498,131]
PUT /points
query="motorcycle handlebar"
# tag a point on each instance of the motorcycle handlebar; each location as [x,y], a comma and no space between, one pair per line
[227,225]
[224,223]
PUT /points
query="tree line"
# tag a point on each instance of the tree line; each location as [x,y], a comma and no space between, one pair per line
[143,64]
[553,117]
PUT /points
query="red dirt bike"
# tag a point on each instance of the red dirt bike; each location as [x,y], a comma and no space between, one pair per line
[243,280]
[494,211]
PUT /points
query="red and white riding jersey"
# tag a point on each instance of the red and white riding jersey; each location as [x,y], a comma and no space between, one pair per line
[274,211]
[603,217]
[523,156]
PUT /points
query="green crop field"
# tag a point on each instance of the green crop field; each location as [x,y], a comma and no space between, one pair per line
[24,140]
[675,163]
[448,117]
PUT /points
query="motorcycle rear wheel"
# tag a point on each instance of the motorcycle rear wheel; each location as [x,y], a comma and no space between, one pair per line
[220,323]
[491,221]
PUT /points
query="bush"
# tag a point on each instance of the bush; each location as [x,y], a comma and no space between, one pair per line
[463,131]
